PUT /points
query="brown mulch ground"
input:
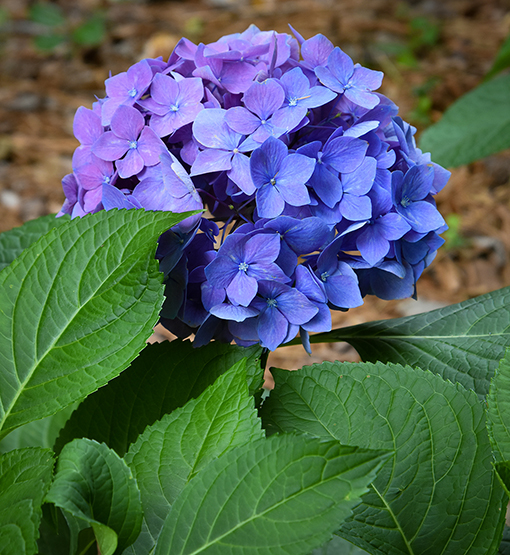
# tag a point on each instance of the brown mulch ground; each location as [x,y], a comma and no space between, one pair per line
[431,51]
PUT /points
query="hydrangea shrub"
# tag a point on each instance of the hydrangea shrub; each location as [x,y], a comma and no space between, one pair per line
[315,192]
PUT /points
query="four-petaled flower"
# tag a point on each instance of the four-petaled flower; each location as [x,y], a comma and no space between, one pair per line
[130,137]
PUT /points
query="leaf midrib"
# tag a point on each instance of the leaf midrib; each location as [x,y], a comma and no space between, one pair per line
[51,346]
[273,507]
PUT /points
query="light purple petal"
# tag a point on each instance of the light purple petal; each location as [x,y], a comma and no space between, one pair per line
[315,50]
[237,77]
[210,129]
[127,122]
[264,98]
[289,117]
[242,289]
[175,178]
[211,160]
[326,77]
[242,120]
[109,147]
[131,164]
[231,312]
[87,126]
[341,65]
[240,173]
[362,97]
[262,248]
[113,198]
[150,147]
[91,199]
[367,78]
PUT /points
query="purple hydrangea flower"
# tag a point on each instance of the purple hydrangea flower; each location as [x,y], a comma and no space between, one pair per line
[241,262]
[319,191]
[282,309]
[172,103]
[130,137]
[224,149]
[410,192]
[262,100]
[125,89]
[279,177]
[356,82]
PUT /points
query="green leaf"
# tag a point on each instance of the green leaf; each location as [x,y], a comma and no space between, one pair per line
[40,433]
[47,14]
[90,33]
[438,493]
[281,495]
[459,138]
[169,453]
[95,485]
[25,475]
[502,60]
[164,377]
[462,343]
[75,308]
[498,413]
[15,241]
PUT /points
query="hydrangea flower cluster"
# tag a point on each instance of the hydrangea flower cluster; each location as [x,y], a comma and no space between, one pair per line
[316,194]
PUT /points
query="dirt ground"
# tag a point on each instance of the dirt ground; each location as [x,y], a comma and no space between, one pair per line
[431,52]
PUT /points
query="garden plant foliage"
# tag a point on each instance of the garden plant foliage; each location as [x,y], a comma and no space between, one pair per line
[112,446]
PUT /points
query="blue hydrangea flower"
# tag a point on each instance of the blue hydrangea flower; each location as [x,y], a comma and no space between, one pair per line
[315,192]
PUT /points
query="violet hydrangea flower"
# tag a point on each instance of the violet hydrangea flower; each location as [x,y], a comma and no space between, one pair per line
[279,177]
[241,262]
[130,137]
[125,89]
[315,192]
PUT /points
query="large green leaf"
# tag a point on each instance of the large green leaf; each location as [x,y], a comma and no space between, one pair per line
[95,485]
[438,493]
[498,414]
[462,343]
[40,433]
[15,241]
[164,377]
[25,476]
[169,453]
[75,308]
[280,495]
[475,126]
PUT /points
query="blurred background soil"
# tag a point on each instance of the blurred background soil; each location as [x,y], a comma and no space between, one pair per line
[55,57]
